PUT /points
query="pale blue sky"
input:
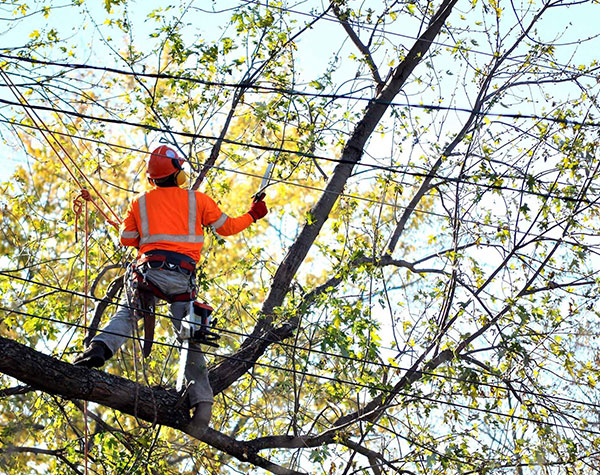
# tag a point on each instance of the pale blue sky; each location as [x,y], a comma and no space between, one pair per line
[315,48]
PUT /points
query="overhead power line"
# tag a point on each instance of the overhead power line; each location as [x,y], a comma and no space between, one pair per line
[383,389]
[317,351]
[278,150]
[293,92]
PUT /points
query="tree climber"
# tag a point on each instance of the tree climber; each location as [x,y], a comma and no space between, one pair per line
[165,225]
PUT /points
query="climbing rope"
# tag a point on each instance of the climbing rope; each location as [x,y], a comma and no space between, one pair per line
[48,135]
[78,203]
[81,201]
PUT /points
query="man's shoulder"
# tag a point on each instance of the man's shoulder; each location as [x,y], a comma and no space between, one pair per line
[175,192]
[166,191]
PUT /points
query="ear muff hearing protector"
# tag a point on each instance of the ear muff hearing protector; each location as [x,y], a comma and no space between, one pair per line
[180,175]
[181,178]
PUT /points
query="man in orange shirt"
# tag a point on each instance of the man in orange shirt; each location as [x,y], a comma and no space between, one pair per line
[166,224]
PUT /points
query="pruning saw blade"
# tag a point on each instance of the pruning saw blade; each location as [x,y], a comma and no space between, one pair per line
[260,194]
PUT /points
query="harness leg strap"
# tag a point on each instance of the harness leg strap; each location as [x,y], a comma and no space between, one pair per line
[147,304]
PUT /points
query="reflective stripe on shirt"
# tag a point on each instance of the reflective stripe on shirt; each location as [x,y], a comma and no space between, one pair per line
[129,235]
[219,222]
[144,218]
[191,212]
[173,238]
[190,237]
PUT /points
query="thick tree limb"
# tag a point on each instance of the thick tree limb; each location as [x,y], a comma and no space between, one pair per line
[155,405]
[50,375]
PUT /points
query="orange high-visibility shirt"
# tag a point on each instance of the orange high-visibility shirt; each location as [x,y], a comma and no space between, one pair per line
[171,219]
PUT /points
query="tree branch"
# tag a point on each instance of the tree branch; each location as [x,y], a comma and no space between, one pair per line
[248,80]
[155,405]
[58,453]
[23,389]
[252,348]
[374,458]
[359,44]
[482,98]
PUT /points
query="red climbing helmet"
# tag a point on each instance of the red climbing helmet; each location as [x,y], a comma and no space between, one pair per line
[163,162]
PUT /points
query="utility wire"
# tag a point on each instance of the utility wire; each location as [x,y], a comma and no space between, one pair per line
[356,197]
[314,350]
[384,389]
[374,166]
[293,92]
[388,169]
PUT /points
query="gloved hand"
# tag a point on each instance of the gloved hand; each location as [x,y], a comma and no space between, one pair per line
[258,210]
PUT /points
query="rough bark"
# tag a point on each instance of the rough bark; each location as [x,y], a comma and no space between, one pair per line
[155,405]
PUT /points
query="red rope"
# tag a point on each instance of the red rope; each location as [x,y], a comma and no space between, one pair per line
[41,126]
[81,201]
[86,196]
[78,203]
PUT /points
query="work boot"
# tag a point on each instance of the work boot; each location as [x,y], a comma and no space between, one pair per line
[94,355]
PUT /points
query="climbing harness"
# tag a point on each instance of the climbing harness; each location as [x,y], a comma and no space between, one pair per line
[141,294]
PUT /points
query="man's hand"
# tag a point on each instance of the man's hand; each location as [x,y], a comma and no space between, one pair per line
[258,210]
